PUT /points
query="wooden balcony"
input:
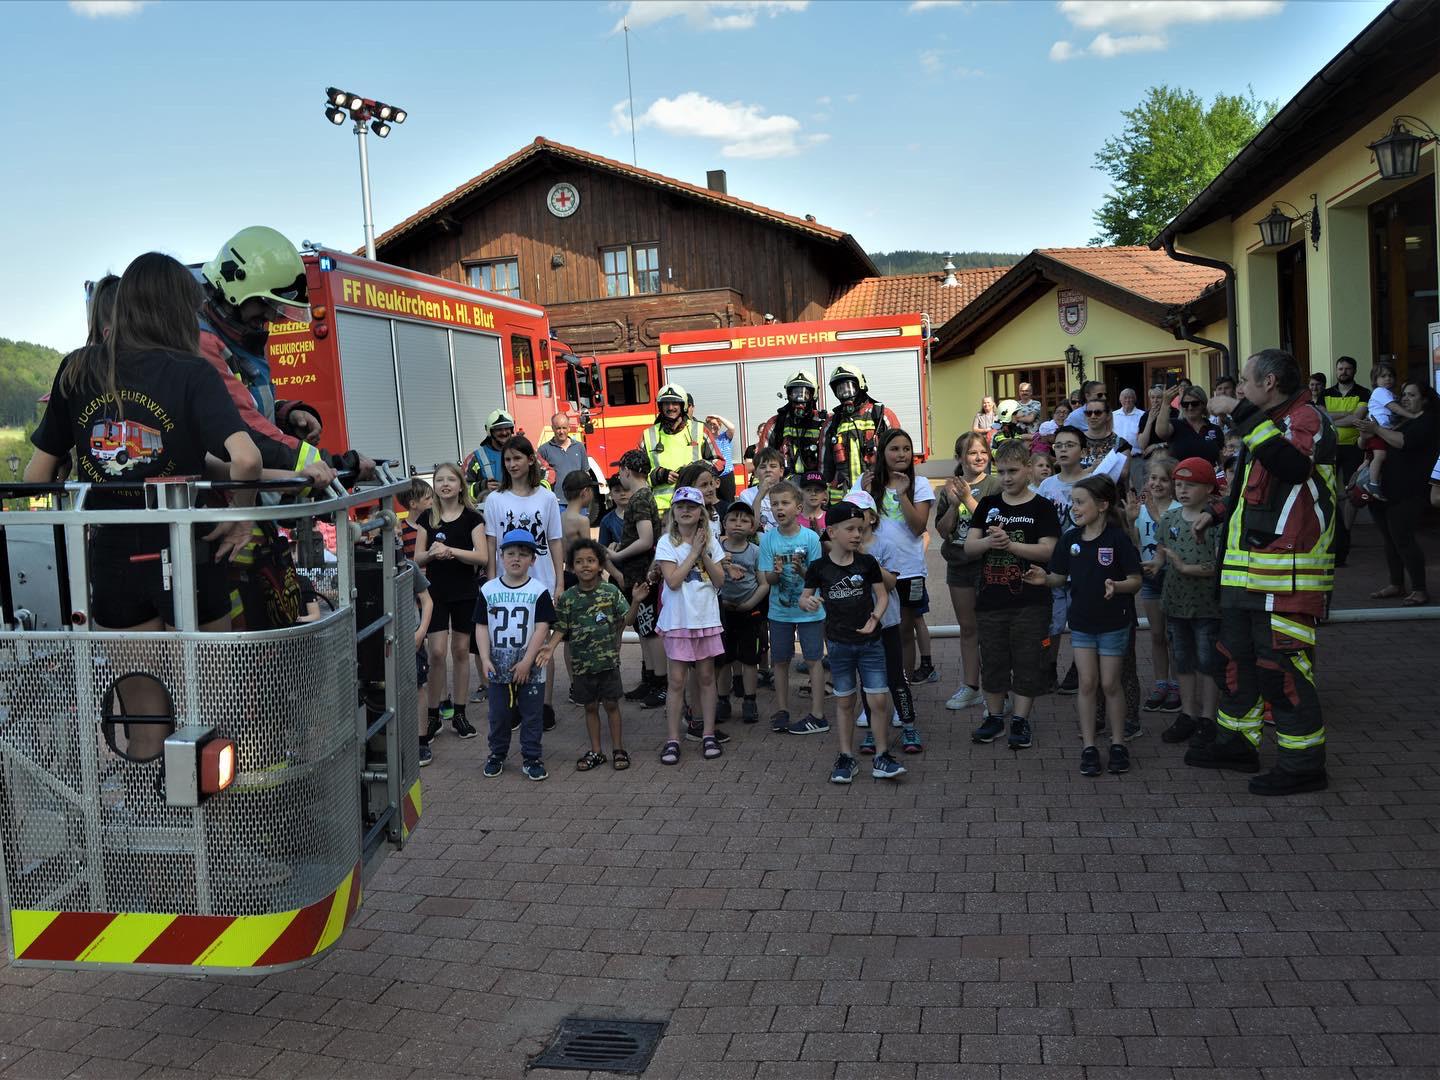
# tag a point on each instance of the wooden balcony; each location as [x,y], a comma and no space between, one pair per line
[633,323]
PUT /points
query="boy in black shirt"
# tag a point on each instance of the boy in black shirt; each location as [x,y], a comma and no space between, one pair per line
[1012,531]
[848,583]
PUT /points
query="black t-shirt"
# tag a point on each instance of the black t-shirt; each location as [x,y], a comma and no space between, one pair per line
[1186,442]
[847,594]
[1407,468]
[451,579]
[999,585]
[1089,563]
[173,409]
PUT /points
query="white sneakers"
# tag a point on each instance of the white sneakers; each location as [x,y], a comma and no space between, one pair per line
[964,698]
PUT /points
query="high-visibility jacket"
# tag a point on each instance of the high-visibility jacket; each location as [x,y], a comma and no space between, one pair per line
[671,451]
[796,434]
[1282,509]
[481,466]
[847,448]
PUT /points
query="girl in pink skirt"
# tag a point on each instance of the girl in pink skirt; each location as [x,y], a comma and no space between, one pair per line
[691,563]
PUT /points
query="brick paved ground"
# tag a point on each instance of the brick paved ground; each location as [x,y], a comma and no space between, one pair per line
[993,916]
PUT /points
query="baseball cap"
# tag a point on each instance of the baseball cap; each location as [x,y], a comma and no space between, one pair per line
[688,494]
[634,460]
[841,512]
[863,499]
[518,538]
[812,479]
[739,506]
[1197,471]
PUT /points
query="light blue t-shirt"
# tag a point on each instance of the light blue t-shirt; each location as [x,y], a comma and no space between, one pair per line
[884,553]
[785,594]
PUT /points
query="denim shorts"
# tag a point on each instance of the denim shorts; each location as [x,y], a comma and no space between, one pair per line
[1151,584]
[1192,645]
[858,664]
[913,595]
[782,640]
[1110,643]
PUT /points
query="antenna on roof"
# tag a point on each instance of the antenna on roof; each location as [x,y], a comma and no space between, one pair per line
[949,269]
[630,85]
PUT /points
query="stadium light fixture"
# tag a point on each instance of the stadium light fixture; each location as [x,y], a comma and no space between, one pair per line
[379,116]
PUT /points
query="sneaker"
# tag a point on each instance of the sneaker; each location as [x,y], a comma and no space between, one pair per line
[1156,701]
[885,767]
[493,767]
[910,741]
[810,724]
[447,709]
[424,753]
[863,720]
[462,726]
[570,697]
[963,698]
[695,732]
[1019,734]
[1119,758]
[780,722]
[925,673]
[1280,782]
[478,694]
[515,722]
[656,698]
[1070,685]
[1133,730]
[1204,732]
[749,711]
[1235,753]
[766,677]
[433,724]
[845,769]
[1183,727]
[1172,699]
[1089,761]
[548,724]
[641,692]
[991,728]
[867,744]
[895,720]
[534,770]
[722,709]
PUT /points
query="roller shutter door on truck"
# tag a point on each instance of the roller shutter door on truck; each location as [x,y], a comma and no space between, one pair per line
[765,390]
[893,376]
[479,384]
[367,372]
[714,387]
[427,395]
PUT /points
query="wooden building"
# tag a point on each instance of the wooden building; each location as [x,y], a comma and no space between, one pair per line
[618,254]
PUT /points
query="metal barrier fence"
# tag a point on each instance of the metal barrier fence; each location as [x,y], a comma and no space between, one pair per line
[99,865]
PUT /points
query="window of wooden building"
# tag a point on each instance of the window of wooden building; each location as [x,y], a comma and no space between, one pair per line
[631,270]
[500,276]
[1047,384]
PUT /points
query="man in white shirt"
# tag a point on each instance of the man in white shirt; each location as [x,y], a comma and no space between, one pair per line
[1127,426]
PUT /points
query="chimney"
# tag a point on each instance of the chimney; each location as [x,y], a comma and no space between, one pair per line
[715,180]
[949,268]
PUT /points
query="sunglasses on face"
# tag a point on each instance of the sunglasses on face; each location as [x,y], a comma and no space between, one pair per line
[1192,405]
[1094,412]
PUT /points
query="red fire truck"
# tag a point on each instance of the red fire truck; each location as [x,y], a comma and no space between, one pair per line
[407,367]
[121,441]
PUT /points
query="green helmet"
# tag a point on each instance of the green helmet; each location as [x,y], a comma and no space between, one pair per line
[259,263]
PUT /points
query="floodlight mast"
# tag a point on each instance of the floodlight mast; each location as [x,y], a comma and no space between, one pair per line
[380,116]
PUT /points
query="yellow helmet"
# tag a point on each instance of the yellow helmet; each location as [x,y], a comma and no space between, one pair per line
[259,263]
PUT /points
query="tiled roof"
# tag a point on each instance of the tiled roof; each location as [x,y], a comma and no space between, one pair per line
[542,145]
[1151,274]
[904,293]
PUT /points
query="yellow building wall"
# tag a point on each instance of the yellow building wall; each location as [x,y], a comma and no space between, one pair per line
[1034,339]
[1338,285]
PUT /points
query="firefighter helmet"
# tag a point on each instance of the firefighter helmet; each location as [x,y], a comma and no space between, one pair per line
[259,263]
[1005,411]
[800,389]
[498,418]
[840,375]
[671,392]
[800,378]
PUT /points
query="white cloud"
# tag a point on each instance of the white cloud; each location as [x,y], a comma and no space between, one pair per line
[823,99]
[930,5]
[706,14]
[1140,25]
[931,62]
[744,131]
[934,62]
[103,9]
[1153,16]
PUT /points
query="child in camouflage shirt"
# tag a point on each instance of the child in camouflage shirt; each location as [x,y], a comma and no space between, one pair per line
[592,615]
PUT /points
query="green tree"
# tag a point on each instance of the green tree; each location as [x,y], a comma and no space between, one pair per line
[1171,147]
[26,372]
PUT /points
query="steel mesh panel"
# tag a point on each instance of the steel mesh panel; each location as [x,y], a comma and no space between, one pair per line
[84,829]
[407,620]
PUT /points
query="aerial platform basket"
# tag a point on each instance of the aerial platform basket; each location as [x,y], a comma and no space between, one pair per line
[111,862]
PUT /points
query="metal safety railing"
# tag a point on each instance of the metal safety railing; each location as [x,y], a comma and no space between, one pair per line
[101,863]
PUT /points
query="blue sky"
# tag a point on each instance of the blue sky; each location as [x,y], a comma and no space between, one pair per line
[935,125]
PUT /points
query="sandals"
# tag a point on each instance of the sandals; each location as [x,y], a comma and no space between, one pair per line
[1416,599]
[670,755]
[591,760]
[1389,592]
[620,760]
[711,747]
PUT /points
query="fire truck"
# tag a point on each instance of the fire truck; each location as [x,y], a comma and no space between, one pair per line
[121,441]
[740,373]
[407,366]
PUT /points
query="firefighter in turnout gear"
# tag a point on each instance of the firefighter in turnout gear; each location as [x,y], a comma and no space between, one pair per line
[1006,426]
[482,468]
[674,441]
[1275,578]
[796,428]
[847,447]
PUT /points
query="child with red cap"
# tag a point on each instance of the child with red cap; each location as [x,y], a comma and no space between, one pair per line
[1190,597]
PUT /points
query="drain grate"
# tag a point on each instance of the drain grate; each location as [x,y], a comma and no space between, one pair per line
[620,1046]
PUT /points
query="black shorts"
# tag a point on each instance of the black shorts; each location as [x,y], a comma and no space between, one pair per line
[742,632]
[457,614]
[125,593]
[914,595]
[962,575]
[588,688]
[422,667]
[1012,650]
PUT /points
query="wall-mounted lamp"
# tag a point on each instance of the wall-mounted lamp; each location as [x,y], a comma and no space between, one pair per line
[557,260]
[1275,226]
[1076,360]
[1397,154]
